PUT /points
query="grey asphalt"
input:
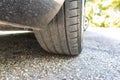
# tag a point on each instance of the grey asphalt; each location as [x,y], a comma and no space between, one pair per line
[21,58]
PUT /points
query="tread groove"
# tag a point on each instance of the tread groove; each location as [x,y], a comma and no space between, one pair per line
[73,24]
[73,8]
[73,31]
[74,37]
[74,46]
[66,30]
[72,0]
[73,16]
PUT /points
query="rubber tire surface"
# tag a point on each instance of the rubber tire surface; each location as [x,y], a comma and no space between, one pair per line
[63,35]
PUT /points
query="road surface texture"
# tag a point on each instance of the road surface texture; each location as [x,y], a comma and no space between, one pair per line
[21,58]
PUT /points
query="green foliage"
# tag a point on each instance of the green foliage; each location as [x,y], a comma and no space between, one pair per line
[104,13]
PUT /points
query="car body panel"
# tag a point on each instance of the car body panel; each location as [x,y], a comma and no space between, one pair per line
[33,13]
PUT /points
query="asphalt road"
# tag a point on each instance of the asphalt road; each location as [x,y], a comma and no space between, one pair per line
[21,58]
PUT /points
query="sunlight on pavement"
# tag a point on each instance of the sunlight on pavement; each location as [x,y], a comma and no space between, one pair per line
[113,33]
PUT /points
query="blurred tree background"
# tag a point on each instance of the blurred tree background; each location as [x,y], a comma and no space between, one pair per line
[103,13]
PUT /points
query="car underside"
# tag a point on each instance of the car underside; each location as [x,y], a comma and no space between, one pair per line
[29,13]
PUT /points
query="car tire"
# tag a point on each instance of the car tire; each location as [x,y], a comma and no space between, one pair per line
[64,34]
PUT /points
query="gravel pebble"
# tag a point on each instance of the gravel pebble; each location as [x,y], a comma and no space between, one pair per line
[21,58]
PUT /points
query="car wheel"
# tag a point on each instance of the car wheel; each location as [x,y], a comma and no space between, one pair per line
[64,33]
